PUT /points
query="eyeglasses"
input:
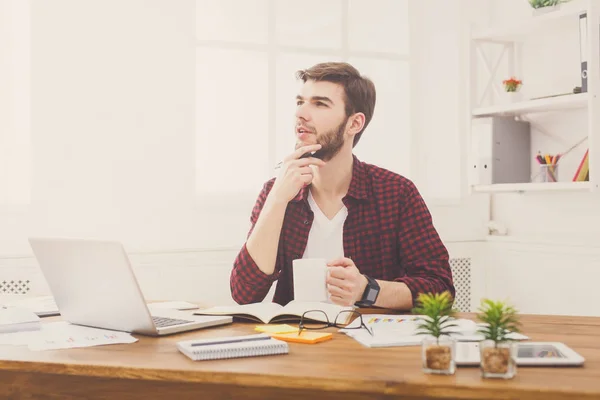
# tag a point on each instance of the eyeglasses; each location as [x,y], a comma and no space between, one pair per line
[317,319]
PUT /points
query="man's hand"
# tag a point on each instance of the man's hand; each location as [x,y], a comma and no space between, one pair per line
[295,173]
[345,283]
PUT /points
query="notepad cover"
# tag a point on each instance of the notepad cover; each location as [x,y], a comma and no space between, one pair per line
[208,351]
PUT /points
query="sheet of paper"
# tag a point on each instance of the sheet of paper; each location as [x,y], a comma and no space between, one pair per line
[384,339]
[41,305]
[16,316]
[18,338]
[62,335]
[383,322]
[401,330]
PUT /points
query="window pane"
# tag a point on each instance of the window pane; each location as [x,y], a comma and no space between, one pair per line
[232,20]
[386,141]
[309,23]
[378,25]
[232,121]
[287,87]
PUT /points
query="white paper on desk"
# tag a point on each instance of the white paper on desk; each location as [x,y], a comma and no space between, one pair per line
[41,305]
[388,330]
[385,322]
[401,330]
[385,339]
[62,335]
[18,338]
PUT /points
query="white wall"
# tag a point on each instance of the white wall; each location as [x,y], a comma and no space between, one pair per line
[113,138]
[112,129]
[438,57]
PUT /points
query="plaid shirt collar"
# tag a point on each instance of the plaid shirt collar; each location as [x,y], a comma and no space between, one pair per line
[359,189]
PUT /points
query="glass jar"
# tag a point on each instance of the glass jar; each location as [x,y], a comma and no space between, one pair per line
[438,355]
[498,360]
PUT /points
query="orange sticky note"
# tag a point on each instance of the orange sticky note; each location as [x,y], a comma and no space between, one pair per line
[304,337]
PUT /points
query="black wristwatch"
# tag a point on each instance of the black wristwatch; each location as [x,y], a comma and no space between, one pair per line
[370,294]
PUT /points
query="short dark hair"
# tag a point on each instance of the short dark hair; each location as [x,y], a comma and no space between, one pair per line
[359,91]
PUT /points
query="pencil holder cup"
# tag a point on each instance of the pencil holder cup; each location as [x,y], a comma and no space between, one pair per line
[547,173]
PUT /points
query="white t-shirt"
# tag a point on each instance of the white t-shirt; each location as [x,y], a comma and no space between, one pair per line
[326,236]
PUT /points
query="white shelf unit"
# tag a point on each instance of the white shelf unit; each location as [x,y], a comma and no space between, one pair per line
[509,38]
[521,28]
[533,187]
[564,102]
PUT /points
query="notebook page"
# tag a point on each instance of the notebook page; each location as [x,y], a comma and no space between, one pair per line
[263,311]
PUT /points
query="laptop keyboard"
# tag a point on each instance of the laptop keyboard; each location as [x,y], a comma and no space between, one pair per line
[162,322]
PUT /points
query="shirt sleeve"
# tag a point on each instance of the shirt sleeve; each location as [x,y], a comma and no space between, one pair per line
[422,253]
[247,282]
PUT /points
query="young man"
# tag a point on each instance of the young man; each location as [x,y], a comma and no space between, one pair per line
[368,220]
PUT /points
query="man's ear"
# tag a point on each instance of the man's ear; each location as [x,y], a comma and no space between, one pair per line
[355,123]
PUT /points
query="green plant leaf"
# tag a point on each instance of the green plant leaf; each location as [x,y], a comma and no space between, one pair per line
[437,311]
[499,319]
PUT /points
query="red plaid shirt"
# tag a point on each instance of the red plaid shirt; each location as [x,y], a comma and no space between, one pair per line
[388,234]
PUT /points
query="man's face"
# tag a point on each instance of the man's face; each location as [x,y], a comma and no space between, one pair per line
[321,118]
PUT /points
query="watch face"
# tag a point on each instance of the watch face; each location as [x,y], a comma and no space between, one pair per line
[371,295]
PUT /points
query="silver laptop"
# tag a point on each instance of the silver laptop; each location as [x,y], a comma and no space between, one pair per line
[93,284]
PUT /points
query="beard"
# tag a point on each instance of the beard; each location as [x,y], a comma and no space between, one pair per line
[331,142]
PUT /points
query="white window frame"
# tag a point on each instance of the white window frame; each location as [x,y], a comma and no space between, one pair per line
[273,49]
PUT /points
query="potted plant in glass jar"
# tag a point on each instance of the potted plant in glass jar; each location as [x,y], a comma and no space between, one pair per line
[436,321]
[498,351]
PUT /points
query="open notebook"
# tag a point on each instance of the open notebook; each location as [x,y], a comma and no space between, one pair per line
[232,347]
[274,313]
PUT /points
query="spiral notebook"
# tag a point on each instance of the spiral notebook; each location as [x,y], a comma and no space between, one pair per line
[232,347]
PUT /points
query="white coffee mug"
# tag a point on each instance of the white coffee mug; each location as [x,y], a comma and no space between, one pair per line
[310,276]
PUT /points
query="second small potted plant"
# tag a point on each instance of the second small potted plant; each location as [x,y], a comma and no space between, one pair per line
[497,351]
[512,88]
[438,348]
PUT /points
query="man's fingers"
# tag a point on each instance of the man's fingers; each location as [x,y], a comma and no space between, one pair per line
[338,300]
[341,262]
[301,151]
[337,282]
[337,272]
[306,178]
[308,161]
[336,291]
[305,170]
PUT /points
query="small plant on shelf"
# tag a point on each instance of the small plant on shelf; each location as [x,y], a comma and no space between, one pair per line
[497,350]
[544,3]
[438,318]
[512,84]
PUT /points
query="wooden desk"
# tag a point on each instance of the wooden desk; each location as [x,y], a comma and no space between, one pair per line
[338,369]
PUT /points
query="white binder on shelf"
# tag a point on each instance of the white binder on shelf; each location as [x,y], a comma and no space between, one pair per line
[583,38]
[481,151]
